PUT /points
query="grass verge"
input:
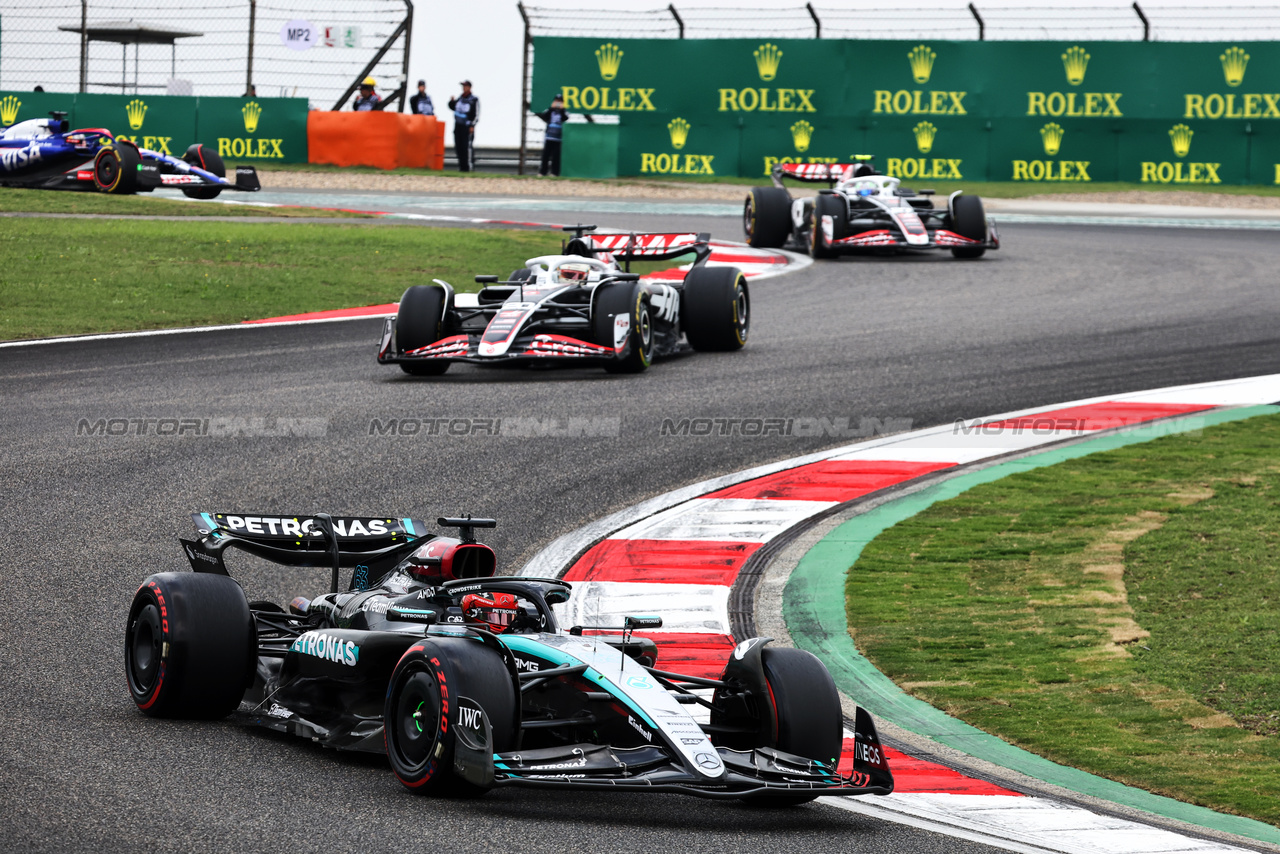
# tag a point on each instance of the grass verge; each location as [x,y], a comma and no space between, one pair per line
[69,277]
[1115,613]
[48,201]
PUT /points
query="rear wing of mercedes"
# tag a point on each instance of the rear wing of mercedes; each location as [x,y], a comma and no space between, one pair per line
[625,248]
[369,545]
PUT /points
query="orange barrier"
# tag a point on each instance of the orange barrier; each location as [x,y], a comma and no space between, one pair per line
[384,140]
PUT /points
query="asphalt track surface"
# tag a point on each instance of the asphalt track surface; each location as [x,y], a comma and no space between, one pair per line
[1059,314]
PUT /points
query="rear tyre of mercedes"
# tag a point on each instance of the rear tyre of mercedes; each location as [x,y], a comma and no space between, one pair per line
[190,646]
[419,322]
[766,217]
[115,169]
[968,219]
[821,245]
[715,308]
[204,157]
[430,714]
[613,303]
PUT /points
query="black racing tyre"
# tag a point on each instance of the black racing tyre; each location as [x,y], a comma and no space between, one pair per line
[826,204]
[204,157]
[807,707]
[421,715]
[190,646]
[715,308]
[419,322]
[115,169]
[969,220]
[630,300]
[766,217]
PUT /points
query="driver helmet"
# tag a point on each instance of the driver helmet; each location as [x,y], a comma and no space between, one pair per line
[573,274]
[497,610]
[863,170]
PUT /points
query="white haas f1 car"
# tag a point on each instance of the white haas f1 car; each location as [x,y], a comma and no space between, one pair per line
[582,306]
[863,211]
[467,682]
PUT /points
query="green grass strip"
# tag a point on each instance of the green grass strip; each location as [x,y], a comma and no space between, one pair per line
[14,200]
[814,608]
[71,277]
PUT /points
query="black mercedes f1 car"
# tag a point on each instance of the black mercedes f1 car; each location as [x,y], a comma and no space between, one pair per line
[466,681]
[583,305]
[863,211]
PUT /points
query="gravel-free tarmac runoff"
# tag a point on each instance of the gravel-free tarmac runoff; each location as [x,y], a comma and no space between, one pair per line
[1060,313]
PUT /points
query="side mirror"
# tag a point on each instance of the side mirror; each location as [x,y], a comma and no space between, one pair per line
[411,615]
[486,280]
[647,621]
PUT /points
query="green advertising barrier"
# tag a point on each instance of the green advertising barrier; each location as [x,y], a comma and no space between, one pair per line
[269,129]
[589,151]
[1025,111]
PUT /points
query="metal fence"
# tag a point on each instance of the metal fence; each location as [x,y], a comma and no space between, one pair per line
[282,48]
[1116,21]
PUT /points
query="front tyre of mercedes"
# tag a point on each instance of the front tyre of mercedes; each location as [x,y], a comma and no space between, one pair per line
[622,319]
[766,217]
[190,646]
[826,206]
[716,308]
[420,322]
[431,701]
[204,157]
[968,219]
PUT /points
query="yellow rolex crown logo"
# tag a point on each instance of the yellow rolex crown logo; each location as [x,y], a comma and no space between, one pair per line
[136,110]
[1075,61]
[679,130]
[768,57]
[921,59]
[251,111]
[609,57]
[801,133]
[1180,136]
[1233,65]
[925,132]
[9,106]
[1051,134]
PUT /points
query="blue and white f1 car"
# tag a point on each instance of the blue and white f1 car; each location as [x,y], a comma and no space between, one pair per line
[467,682]
[46,154]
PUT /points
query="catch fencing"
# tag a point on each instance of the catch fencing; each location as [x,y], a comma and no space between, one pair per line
[283,49]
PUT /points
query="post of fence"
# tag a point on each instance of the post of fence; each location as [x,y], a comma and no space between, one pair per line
[1146,25]
[524,86]
[248,72]
[982,27]
[404,68]
[817,24]
[679,23]
[84,45]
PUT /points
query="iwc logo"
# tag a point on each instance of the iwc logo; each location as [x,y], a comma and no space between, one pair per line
[609,58]
[801,134]
[9,106]
[136,110]
[768,57]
